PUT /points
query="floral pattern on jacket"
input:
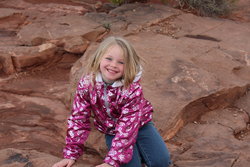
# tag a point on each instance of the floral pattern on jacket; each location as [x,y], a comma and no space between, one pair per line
[117,111]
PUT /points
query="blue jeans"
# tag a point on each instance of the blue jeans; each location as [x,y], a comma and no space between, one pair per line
[149,148]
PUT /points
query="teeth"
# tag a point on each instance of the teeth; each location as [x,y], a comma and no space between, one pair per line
[112,71]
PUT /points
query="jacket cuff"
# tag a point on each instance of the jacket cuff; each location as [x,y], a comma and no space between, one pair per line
[111,162]
[69,157]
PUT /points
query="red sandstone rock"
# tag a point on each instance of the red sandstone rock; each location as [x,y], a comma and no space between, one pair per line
[196,76]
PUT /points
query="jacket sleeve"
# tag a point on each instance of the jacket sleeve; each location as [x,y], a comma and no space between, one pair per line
[127,127]
[78,123]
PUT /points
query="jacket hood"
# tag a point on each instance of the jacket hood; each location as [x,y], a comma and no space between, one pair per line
[119,83]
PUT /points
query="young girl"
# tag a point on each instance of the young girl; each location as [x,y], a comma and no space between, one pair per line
[111,90]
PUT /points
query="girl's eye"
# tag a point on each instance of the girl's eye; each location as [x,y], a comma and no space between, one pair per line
[108,58]
[121,62]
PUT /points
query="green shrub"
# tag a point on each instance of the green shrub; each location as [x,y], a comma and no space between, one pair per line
[201,7]
[208,7]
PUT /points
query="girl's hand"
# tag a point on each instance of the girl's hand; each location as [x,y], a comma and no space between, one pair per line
[104,165]
[64,163]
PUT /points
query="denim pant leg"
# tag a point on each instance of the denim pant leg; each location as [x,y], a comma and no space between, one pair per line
[136,159]
[151,147]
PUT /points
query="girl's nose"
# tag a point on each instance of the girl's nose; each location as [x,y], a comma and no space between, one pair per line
[113,64]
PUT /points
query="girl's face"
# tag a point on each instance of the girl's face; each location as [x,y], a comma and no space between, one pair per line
[112,64]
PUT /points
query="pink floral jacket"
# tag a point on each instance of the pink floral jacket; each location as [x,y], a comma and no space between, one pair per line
[116,112]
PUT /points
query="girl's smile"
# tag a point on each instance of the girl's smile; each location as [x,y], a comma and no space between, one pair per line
[112,64]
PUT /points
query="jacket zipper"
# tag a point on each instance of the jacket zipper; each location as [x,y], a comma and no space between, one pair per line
[106,102]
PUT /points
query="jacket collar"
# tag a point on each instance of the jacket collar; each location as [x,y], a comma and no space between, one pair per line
[119,83]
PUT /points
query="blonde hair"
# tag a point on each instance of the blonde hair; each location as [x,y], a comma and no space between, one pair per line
[132,59]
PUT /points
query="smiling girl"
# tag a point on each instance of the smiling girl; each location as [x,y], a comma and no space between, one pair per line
[111,90]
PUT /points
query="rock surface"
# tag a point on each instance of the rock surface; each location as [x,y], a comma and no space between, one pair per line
[196,75]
